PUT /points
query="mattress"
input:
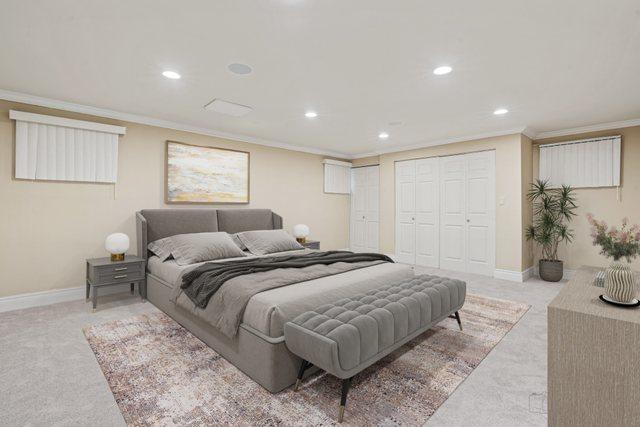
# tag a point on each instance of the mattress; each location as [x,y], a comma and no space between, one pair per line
[268,311]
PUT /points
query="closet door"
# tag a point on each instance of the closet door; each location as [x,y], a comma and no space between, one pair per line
[372,215]
[480,203]
[427,213]
[358,210]
[453,213]
[405,211]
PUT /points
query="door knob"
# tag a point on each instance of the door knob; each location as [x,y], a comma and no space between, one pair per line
[363,217]
[468,220]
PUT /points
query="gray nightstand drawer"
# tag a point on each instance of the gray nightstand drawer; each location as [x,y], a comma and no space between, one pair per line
[119,269]
[311,244]
[120,277]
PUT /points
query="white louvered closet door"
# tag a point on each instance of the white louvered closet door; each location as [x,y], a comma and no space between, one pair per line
[358,210]
[427,215]
[453,248]
[467,213]
[406,211]
[365,211]
[372,224]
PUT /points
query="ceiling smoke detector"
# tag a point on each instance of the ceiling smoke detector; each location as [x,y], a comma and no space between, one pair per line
[228,108]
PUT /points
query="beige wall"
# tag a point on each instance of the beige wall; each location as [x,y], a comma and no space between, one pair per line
[509,194]
[602,202]
[47,229]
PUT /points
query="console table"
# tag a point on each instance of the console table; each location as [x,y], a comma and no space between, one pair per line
[593,358]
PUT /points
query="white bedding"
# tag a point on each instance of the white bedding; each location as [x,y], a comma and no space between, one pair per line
[268,311]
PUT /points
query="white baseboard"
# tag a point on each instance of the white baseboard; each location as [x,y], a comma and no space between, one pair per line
[512,275]
[566,274]
[35,299]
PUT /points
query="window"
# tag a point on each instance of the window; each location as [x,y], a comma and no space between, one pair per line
[337,177]
[584,163]
[59,149]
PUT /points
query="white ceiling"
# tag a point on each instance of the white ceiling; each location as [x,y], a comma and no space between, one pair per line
[359,63]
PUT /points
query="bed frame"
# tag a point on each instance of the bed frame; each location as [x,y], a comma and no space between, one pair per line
[265,359]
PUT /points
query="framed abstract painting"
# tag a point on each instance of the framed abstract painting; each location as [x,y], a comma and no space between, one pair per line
[206,175]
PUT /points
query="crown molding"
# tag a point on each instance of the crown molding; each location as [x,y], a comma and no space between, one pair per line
[151,121]
[586,129]
[445,141]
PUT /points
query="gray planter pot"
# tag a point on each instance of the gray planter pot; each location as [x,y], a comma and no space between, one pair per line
[550,271]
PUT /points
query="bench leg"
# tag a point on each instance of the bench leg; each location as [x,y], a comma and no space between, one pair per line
[346,383]
[303,367]
[458,319]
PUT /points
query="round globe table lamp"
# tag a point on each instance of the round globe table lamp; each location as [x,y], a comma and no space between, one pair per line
[300,232]
[117,244]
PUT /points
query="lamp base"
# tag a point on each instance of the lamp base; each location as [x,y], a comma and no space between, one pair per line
[301,240]
[117,257]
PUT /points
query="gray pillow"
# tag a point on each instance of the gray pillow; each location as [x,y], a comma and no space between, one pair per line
[161,248]
[262,242]
[238,242]
[197,247]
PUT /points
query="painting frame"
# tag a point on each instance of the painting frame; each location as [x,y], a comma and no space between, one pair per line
[168,200]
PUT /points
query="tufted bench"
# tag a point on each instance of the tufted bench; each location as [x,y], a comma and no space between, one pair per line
[351,334]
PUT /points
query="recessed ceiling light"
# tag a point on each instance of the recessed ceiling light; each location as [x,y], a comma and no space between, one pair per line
[445,69]
[311,114]
[500,111]
[240,69]
[171,75]
[383,135]
[229,108]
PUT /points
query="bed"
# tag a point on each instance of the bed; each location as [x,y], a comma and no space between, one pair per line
[258,348]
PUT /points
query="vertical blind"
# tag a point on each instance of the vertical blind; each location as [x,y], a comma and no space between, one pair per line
[54,148]
[585,163]
[337,177]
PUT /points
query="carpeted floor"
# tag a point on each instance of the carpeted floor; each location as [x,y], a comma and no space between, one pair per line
[161,374]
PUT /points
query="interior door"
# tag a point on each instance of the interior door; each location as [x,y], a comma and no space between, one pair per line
[372,224]
[480,203]
[405,211]
[427,213]
[452,213]
[358,210]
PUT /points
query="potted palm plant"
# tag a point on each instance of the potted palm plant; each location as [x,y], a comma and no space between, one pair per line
[553,209]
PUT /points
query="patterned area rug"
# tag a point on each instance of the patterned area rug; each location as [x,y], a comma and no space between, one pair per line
[160,374]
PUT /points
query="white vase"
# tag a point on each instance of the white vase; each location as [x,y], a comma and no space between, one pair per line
[620,283]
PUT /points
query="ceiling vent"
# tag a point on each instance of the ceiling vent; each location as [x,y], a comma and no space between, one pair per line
[228,108]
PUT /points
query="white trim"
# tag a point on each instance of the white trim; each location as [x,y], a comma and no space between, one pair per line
[566,274]
[337,163]
[513,276]
[36,299]
[134,118]
[64,122]
[445,141]
[590,128]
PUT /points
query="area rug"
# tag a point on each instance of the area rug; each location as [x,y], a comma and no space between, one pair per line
[160,374]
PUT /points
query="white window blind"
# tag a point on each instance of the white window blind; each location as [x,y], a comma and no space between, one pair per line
[585,163]
[59,149]
[337,177]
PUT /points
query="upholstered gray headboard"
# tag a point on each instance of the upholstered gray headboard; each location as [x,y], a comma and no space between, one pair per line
[154,224]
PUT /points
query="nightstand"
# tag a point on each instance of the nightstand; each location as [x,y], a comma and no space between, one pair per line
[311,244]
[102,272]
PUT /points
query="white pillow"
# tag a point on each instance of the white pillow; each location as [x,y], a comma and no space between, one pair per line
[262,242]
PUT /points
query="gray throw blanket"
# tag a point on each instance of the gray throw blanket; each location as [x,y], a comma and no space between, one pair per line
[201,283]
